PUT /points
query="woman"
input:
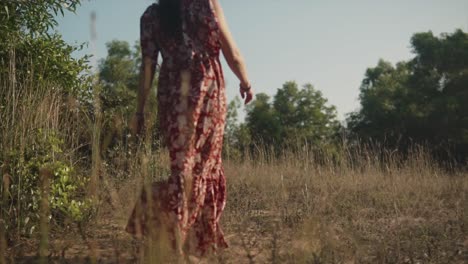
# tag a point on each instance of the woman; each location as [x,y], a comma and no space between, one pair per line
[189,34]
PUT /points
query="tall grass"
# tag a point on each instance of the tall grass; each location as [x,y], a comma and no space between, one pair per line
[357,204]
[362,205]
[355,211]
[26,108]
[37,119]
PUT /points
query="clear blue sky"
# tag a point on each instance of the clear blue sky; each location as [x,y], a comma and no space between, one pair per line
[328,43]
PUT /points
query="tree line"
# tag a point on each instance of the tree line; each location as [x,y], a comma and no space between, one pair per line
[422,101]
[418,101]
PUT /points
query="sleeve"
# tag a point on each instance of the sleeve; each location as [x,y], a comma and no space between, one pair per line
[148,41]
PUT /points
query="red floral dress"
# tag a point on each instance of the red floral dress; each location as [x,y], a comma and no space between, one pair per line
[192,108]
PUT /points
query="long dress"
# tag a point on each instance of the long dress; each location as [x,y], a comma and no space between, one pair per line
[192,109]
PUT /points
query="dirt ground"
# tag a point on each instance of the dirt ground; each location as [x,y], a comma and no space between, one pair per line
[107,242]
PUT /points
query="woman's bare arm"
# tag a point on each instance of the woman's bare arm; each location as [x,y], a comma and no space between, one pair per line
[232,53]
[147,71]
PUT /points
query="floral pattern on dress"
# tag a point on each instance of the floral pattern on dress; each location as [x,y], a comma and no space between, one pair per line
[192,109]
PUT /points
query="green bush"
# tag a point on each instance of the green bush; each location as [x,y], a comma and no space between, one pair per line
[42,167]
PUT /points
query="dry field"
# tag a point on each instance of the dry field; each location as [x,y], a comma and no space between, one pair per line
[290,210]
[364,207]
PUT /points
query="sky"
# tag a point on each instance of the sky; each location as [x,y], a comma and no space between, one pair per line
[328,43]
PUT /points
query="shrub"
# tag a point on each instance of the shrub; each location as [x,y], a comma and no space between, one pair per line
[25,178]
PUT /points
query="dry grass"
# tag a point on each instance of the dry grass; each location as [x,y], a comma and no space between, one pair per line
[363,208]
[301,212]
[292,210]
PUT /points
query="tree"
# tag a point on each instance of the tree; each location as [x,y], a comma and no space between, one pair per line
[304,115]
[295,115]
[29,46]
[383,100]
[119,75]
[38,77]
[440,84]
[34,18]
[262,121]
[231,122]
[421,101]
[236,135]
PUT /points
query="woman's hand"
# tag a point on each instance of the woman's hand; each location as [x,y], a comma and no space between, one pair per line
[137,124]
[246,93]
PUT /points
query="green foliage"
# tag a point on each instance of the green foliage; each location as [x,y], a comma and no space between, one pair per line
[49,59]
[383,102]
[236,135]
[32,17]
[262,122]
[67,200]
[41,167]
[33,59]
[295,116]
[119,76]
[420,101]
[30,46]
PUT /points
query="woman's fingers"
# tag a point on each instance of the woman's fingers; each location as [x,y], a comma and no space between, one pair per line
[249,97]
[246,95]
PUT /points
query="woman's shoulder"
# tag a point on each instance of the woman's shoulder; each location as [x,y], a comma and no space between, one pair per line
[149,18]
[151,13]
